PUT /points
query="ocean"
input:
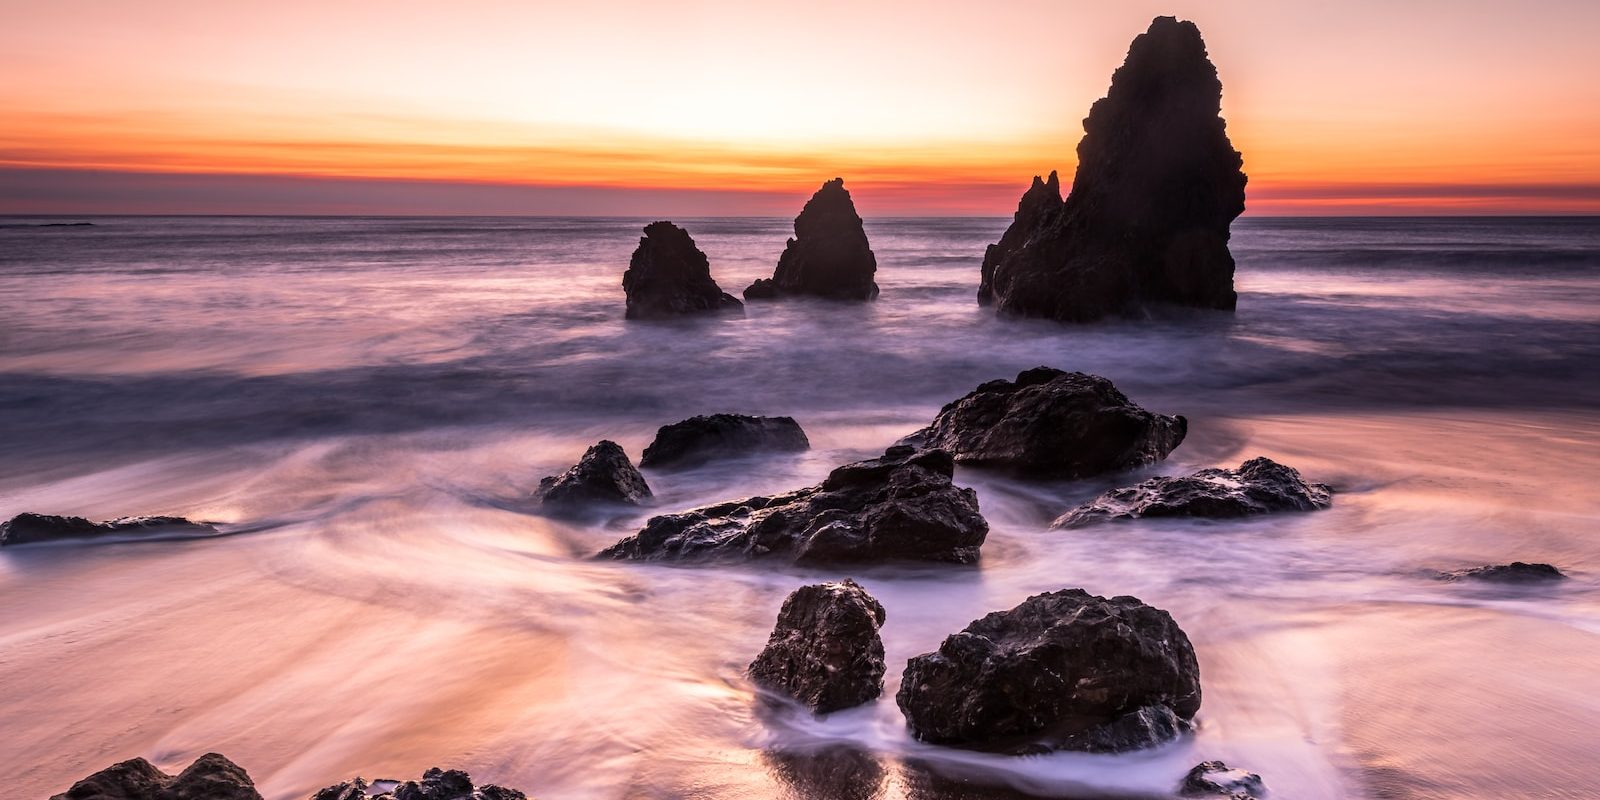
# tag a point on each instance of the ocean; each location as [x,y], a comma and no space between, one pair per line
[368,402]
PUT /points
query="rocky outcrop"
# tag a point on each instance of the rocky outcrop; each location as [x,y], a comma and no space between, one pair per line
[1062,671]
[829,255]
[436,784]
[1258,486]
[28,528]
[1147,219]
[700,439]
[669,277]
[1216,779]
[898,507]
[1515,572]
[604,475]
[1051,423]
[210,777]
[825,652]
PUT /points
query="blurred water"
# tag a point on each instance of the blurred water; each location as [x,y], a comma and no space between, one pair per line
[372,399]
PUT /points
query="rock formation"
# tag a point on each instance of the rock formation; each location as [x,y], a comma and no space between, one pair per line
[210,777]
[828,256]
[1216,779]
[1515,572]
[1062,671]
[700,439]
[603,475]
[1146,221]
[898,507]
[27,528]
[1052,423]
[1258,486]
[825,652]
[669,277]
[436,784]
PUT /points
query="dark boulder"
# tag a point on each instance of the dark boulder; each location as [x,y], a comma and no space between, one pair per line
[899,507]
[1258,486]
[700,439]
[1051,423]
[210,777]
[668,277]
[825,652]
[1062,671]
[1216,779]
[1147,220]
[436,784]
[603,475]
[28,528]
[829,255]
[1515,572]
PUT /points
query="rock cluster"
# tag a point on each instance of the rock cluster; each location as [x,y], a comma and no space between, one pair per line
[28,528]
[700,439]
[436,784]
[604,475]
[1258,486]
[825,652]
[829,255]
[1051,423]
[1216,779]
[900,506]
[1515,572]
[1147,220]
[210,777]
[668,277]
[1064,670]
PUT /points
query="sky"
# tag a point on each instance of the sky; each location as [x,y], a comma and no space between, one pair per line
[638,108]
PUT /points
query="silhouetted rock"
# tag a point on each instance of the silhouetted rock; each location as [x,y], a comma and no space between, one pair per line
[210,777]
[1146,221]
[1258,486]
[603,475]
[832,771]
[28,528]
[436,784]
[828,256]
[825,652]
[1051,423]
[1515,572]
[1216,779]
[702,438]
[901,506]
[1062,671]
[669,276]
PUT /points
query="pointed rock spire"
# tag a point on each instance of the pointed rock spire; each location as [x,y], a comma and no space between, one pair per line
[829,255]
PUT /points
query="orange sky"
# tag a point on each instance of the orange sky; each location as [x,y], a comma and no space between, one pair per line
[658,109]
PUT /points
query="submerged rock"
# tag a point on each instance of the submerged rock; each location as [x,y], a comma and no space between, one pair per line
[1515,572]
[668,277]
[436,784]
[210,777]
[825,652]
[1258,486]
[900,506]
[703,438]
[1062,671]
[28,528]
[1052,423]
[603,475]
[1216,779]
[1147,220]
[829,255]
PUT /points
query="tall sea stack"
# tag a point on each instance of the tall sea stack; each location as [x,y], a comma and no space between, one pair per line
[1157,186]
[668,277]
[828,256]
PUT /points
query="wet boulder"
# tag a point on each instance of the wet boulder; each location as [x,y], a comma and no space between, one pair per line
[1147,220]
[669,277]
[901,506]
[1064,670]
[1515,572]
[829,255]
[436,784]
[825,652]
[699,439]
[210,777]
[1216,779]
[1050,423]
[1258,486]
[603,476]
[28,528]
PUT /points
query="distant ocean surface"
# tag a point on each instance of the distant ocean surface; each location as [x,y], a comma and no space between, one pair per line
[372,400]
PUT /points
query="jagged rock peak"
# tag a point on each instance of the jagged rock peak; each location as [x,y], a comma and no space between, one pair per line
[829,255]
[669,276]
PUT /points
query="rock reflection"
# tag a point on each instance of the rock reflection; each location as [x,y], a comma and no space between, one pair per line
[832,772]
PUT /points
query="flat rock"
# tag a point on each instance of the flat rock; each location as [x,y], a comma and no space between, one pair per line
[1050,423]
[1515,572]
[829,255]
[703,438]
[825,652]
[1258,486]
[28,528]
[210,777]
[1064,670]
[1216,779]
[669,276]
[901,506]
[436,784]
[603,476]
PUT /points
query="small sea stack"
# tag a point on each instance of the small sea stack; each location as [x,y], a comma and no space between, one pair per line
[669,276]
[211,777]
[1517,572]
[604,476]
[1258,486]
[1216,779]
[705,438]
[825,652]
[29,528]
[436,784]
[1147,219]
[829,255]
